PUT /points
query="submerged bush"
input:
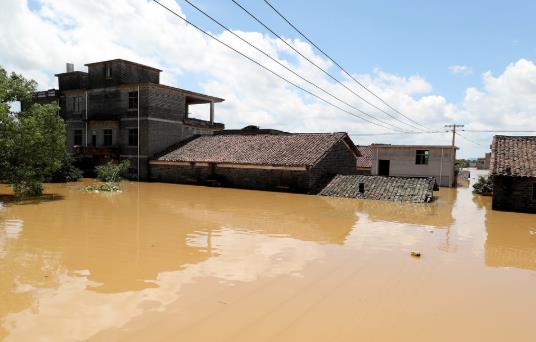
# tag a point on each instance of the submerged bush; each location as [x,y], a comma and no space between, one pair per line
[484,186]
[110,175]
[28,188]
[67,172]
[111,172]
[105,187]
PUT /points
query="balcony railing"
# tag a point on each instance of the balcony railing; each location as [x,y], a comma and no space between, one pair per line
[99,151]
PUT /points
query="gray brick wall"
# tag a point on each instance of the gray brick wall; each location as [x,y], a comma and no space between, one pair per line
[258,179]
[122,73]
[338,161]
[514,194]
[166,104]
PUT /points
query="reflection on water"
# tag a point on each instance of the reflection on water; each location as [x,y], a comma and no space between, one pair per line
[167,261]
[511,240]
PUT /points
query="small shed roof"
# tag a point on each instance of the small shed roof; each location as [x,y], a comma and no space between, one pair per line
[513,156]
[299,149]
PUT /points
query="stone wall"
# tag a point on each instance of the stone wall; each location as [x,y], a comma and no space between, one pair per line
[514,194]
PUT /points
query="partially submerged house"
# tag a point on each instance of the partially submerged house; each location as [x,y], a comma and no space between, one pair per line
[415,161]
[119,110]
[513,167]
[298,162]
[483,163]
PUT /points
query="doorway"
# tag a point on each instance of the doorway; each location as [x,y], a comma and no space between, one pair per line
[383,167]
[94,139]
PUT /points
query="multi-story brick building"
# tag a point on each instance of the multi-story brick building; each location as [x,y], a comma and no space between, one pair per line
[119,110]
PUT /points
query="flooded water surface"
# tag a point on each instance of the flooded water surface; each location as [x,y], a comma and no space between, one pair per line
[176,262]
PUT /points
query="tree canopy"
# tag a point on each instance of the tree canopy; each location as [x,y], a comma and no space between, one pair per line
[32,141]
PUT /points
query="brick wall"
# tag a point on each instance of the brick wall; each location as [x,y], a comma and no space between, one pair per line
[122,73]
[338,161]
[513,194]
[72,80]
[260,179]
[166,104]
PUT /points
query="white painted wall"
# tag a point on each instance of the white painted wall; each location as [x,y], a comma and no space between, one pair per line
[402,162]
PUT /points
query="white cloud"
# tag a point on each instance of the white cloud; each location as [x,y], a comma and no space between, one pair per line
[460,70]
[38,42]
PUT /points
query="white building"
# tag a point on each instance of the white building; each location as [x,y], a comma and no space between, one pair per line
[415,161]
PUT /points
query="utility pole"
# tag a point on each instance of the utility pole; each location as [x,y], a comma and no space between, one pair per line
[452,128]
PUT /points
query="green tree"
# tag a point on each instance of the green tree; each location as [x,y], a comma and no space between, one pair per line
[484,186]
[111,172]
[32,141]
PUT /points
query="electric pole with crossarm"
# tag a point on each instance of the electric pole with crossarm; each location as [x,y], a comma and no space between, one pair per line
[452,128]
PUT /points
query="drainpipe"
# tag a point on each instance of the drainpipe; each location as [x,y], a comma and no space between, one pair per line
[211,113]
[441,168]
[86,118]
[139,98]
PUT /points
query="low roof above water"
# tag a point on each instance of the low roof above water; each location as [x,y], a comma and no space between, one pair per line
[299,149]
[513,156]
[404,189]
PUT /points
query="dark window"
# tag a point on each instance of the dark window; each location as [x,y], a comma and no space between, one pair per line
[77,104]
[108,70]
[534,191]
[421,157]
[132,100]
[133,137]
[108,134]
[77,137]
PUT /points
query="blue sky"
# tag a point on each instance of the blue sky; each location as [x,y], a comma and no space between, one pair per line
[407,51]
[400,37]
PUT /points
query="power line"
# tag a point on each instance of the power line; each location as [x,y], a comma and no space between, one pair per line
[338,65]
[320,68]
[470,140]
[287,68]
[498,131]
[394,133]
[266,68]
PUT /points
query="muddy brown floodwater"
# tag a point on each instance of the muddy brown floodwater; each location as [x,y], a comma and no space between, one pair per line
[176,262]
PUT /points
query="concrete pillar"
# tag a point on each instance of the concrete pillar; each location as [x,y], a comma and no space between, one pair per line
[212,112]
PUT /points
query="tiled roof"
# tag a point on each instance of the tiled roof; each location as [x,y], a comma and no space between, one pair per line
[365,160]
[405,189]
[302,149]
[513,156]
